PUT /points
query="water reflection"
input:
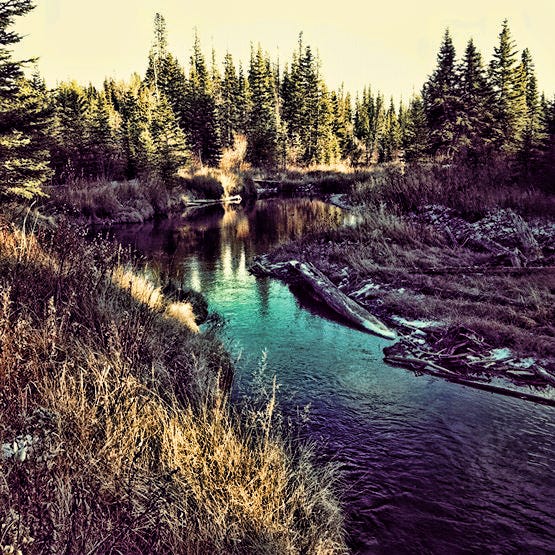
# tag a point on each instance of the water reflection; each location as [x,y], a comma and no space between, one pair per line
[225,238]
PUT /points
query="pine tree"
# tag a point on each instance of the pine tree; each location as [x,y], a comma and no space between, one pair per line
[262,128]
[292,101]
[532,136]
[327,144]
[158,54]
[199,113]
[342,124]
[169,150]
[309,88]
[230,117]
[164,73]
[547,161]
[306,108]
[24,116]
[476,119]
[71,158]
[369,123]
[509,95]
[415,139]
[442,101]
[136,142]
[390,142]
[104,139]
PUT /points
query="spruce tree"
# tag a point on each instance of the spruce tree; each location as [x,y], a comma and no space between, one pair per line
[262,127]
[158,54]
[369,123]
[230,107]
[327,144]
[24,116]
[292,105]
[342,124]
[390,142]
[306,109]
[164,73]
[136,105]
[532,136]
[71,157]
[476,119]
[547,161]
[200,112]
[509,94]
[415,139]
[104,139]
[169,146]
[442,101]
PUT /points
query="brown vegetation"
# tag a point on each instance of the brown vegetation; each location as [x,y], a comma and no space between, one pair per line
[116,435]
[136,201]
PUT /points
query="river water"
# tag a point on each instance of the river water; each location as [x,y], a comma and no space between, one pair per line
[428,466]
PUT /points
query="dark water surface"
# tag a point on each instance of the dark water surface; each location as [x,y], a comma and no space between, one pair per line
[429,466]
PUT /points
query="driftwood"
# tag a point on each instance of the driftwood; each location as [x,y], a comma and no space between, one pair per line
[321,287]
[435,370]
[236,199]
[485,270]
[323,290]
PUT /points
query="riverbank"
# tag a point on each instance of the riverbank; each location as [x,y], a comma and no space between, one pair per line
[136,201]
[115,429]
[469,290]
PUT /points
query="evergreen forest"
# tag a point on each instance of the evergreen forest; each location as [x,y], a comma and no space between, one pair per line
[187,114]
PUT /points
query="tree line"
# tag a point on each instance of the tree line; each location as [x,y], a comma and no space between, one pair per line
[174,115]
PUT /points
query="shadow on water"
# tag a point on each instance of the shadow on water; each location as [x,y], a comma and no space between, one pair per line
[429,466]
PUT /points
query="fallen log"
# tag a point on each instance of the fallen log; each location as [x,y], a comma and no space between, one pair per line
[483,270]
[337,301]
[235,199]
[430,368]
[261,267]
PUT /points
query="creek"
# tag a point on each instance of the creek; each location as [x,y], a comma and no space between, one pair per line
[427,466]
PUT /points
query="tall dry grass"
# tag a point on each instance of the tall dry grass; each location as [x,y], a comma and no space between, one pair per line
[116,433]
[120,201]
[473,190]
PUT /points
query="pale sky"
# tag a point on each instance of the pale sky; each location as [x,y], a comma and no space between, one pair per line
[391,45]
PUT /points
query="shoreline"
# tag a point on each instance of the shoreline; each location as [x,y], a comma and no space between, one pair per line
[434,346]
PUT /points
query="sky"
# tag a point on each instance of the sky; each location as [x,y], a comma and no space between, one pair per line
[390,45]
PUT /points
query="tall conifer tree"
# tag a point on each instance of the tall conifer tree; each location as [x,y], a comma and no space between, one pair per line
[532,135]
[262,129]
[476,119]
[442,101]
[415,139]
[24,115]
[200,113]
[509,94]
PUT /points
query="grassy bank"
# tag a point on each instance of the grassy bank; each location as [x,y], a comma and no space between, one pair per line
[399,263]
[116,434]
[138,201]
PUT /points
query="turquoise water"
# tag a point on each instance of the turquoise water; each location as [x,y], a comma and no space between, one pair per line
[428,466]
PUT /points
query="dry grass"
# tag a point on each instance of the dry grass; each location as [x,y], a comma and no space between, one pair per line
[472,189]
[234,159]
[115,433]
[125,201]
[214,183]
